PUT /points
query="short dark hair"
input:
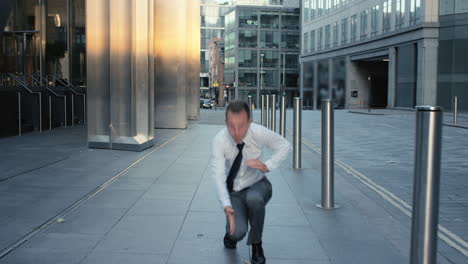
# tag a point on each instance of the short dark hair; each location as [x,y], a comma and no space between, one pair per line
[237,106]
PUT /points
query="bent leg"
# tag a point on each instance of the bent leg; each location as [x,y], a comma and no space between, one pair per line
[257,197]
[240,217]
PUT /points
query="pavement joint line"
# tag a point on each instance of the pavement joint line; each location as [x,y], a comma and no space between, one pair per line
[449,237]
[52,221]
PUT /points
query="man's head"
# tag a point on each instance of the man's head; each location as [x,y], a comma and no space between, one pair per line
[238,119]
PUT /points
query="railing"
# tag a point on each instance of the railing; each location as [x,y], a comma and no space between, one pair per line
[25,86]
[37,78]
[69,86]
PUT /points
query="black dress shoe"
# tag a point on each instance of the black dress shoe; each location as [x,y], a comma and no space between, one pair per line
[257,254]
[228,243]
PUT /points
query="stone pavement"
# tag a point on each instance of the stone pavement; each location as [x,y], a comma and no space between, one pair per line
[160,206]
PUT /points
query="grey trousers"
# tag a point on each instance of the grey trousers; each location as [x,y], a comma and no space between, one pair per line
[249,208]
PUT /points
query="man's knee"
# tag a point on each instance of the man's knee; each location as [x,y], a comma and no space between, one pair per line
[239,234]
[255,200]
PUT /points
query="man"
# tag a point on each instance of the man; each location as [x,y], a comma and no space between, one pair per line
[239,174]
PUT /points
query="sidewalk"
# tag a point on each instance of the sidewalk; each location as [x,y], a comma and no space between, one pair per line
[164,208]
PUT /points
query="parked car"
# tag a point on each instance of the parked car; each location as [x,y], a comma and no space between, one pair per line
[206,103]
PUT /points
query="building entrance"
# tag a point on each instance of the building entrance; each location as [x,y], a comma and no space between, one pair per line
[371,82]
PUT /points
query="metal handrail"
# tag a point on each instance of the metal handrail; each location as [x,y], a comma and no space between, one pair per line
[69,86]
[25,86]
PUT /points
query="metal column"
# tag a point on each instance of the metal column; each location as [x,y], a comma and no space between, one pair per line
[282,121]
[455,110]
[267,113]
[297,133]
[19,114]
[273,112]
[249,99]
[328,146]
[426,185]
[262,114]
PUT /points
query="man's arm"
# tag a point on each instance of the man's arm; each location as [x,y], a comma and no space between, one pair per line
[218,163]
[279,145]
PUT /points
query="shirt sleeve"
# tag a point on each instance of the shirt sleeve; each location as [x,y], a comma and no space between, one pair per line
[218,163]
[278,144]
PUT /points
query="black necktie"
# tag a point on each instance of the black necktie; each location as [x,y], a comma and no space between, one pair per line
[235,168]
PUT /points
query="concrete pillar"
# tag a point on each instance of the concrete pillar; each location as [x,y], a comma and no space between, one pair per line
[426,85]
[330,78]
[193,59]
[392,57]
[316,90]
[119,85]
[170,95]
[348,82]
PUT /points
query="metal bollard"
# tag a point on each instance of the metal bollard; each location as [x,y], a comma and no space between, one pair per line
[73,109]
[282,121]
[249,101]
[19,114]
[297,133]
[273,112]
[328,160]
[426,185]
[267,113]
[262,116]
[50,113]
[455,110]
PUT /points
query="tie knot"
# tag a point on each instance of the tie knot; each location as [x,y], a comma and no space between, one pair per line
[240,146]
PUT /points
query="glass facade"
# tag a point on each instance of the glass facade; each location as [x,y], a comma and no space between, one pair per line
[364,23]
[265,36]
[387,16]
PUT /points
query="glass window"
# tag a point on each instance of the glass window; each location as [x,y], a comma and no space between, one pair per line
[270,59]
[292,78]
[327,36]
[269,21]
[415,11]
[290,22]
[313,9]
[247,58]
[387,16]
[335,34]
[230,40]
[364,16]
[292,61]
[305,47]
[319,38]
[290,40]
[211,16]
[312,41]
[247,38]
[374,20]
[306,10]
[344,30]
[248,19]
[270,78]
[248,78]
[230,20]
[229,59]
[353,28]
[269,39]
[400,13]
[319,7]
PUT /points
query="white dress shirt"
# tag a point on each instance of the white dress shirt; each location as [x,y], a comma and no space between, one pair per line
[224,151]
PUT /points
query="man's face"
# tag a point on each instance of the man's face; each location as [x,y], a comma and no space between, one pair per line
[238,124]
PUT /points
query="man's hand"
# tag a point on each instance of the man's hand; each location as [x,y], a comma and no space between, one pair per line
[257,164]
[232,223]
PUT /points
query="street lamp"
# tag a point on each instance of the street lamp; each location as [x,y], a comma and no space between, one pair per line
[261,71]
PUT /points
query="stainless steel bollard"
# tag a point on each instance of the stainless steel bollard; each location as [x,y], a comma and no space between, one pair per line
[267,113]
[328,160]
[73,109]
[426,185]
[19,114]
[273,112]
[455,110]
[282,121]
[84,108]
[50,113]
[249,101]
[297,133]
[262,115]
